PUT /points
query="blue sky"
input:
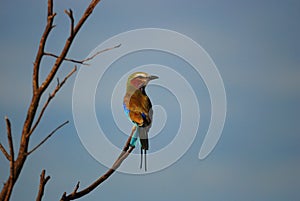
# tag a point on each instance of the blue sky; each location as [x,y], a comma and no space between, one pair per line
[254,44]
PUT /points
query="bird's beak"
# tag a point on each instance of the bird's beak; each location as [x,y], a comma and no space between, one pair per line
[152,77]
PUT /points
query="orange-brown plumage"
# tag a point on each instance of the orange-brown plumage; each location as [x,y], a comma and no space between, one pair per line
[138,103]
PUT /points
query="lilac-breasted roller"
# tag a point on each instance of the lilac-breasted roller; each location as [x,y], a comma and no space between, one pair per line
[138,108]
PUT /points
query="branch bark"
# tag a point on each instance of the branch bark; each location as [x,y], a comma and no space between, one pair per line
[4,152]
[43,182]
[51,96]
[67,45]
[124,154]
[70,14]
[46,138]
[29,126]
[39,56]
[84,60]
[11,150]
[16,166]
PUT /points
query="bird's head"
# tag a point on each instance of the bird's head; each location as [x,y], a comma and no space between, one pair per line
[139,80]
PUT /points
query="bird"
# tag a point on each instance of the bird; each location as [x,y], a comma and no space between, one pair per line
[138,108]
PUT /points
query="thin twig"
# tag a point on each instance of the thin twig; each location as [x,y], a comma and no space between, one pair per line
[43,182]
[126,146]
[70,14]
[65,59]
[76,188]
[51,96]
[67,46]
[100,52]
[4,152]
[9,137]
[84,60]
[46,138]
[11,148]
[39,56]
[39,89]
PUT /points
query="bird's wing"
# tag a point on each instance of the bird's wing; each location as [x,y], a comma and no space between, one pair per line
[139,107]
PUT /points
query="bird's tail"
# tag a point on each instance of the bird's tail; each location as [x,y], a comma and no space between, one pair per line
[143,134]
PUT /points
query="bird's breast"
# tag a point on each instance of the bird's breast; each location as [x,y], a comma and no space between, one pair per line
[137,106]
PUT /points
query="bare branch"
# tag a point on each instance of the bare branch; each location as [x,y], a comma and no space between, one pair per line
[84,60]
[86,14]
[67,45]
[48,28]
[46,138]
[43,182]
[70,14]
[8,185]
[4,152]
[65,59]
[9,137]
[76,188]
[124,154]
[38,91]
[100,180]
[11,149]
[51,96]
[100,52]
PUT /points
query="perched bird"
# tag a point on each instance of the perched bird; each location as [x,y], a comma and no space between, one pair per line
[138,108]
